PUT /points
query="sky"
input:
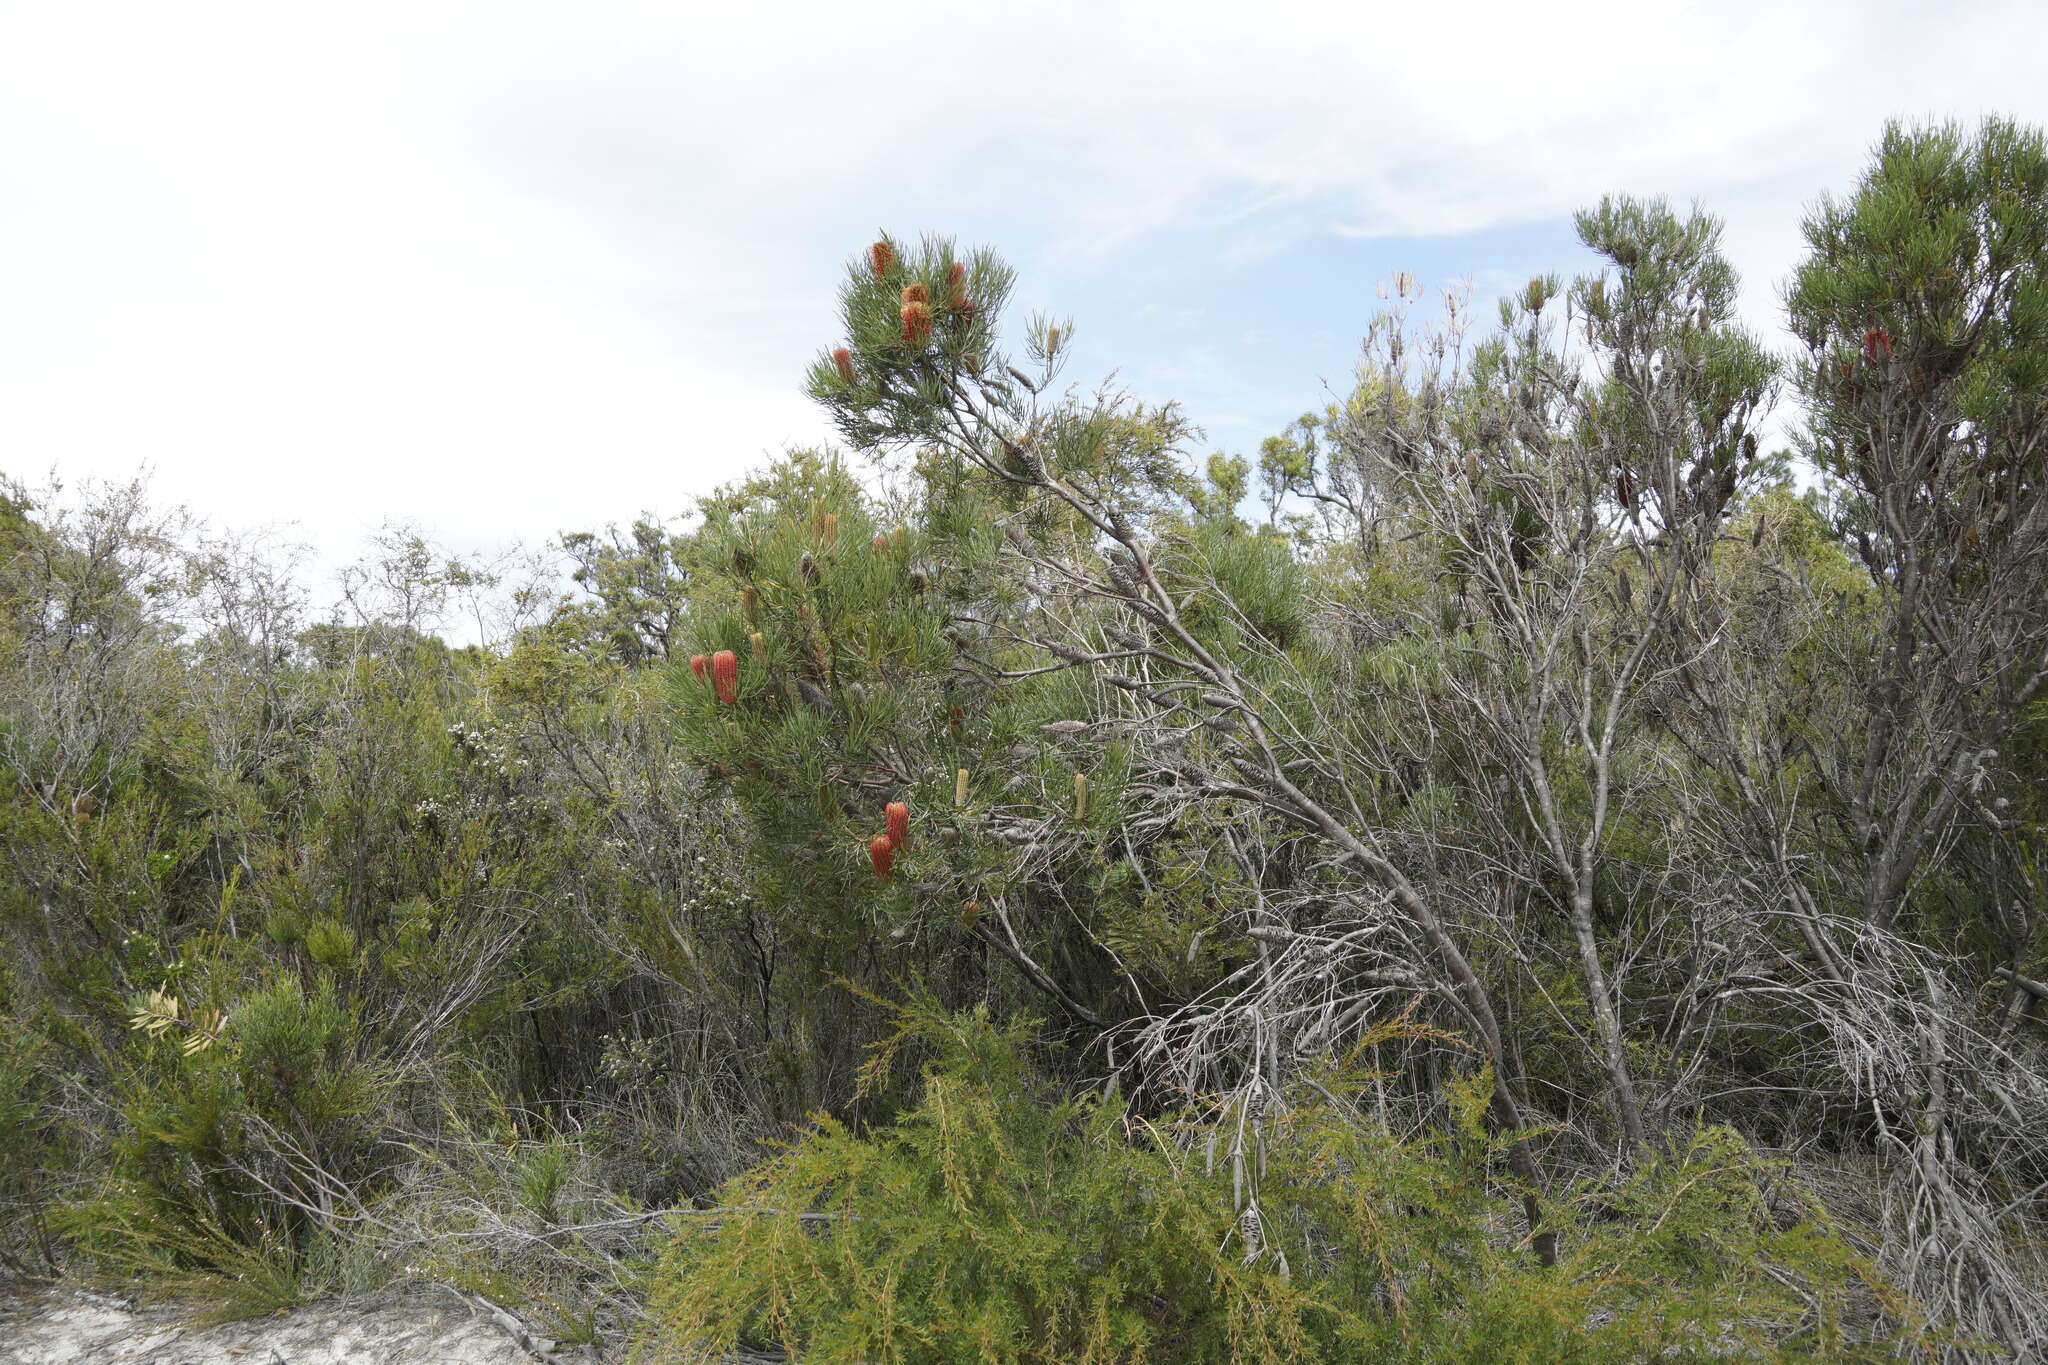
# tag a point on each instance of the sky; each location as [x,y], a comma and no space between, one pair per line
[507,270]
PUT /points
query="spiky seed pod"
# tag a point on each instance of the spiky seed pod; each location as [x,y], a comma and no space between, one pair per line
[750,602]
[916,293]
[881,258]
[700,664]
[760,644]
[897,816]
[960,787]
[725,675]
[1624,488]
[917,323]
[882,854]
[1080,796]
[842,361]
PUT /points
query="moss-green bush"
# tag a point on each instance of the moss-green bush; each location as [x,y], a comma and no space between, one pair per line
[1003,1220]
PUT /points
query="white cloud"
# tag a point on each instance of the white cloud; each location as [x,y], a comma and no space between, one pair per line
[517,267]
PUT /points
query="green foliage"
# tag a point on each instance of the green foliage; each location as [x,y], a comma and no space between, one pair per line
[1000,1219]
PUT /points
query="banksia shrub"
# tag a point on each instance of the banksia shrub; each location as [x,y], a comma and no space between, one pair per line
[881,257]
[700,664]
[725,675]
[897,814]
[882,854]
[842,361]
[917,323]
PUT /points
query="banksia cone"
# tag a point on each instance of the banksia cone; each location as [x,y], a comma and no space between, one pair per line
[960,787]
[1877,345]
[879,543]
[956,286]
[1080,796]
[725,675]
[916,293]
[917,323]
[842,361]
[828,533]
[970,914]
[881,256]
[760,644]
[700,664]
[897,814]
[882,854]
[750,603]
[1052,340]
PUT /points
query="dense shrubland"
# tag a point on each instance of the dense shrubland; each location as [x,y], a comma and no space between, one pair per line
[1518,870]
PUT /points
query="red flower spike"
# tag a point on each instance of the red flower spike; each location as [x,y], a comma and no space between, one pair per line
[916,293]
[842,360]
[882,854]
[917,323]
[881,256]
[956,285]
[700,665]
[897,814]
[725,675]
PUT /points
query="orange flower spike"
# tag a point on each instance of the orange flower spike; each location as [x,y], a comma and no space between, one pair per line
[881,257]
[700,665]
[916,293]
[956,287]
[897,814]
[917,323]
[882,854]
[725,675]
[842,361]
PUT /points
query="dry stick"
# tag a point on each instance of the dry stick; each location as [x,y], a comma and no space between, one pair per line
[1156,606]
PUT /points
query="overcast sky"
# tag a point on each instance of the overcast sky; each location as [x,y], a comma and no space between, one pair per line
[515,268]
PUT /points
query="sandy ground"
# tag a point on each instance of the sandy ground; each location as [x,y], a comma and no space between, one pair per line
[416,1325]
